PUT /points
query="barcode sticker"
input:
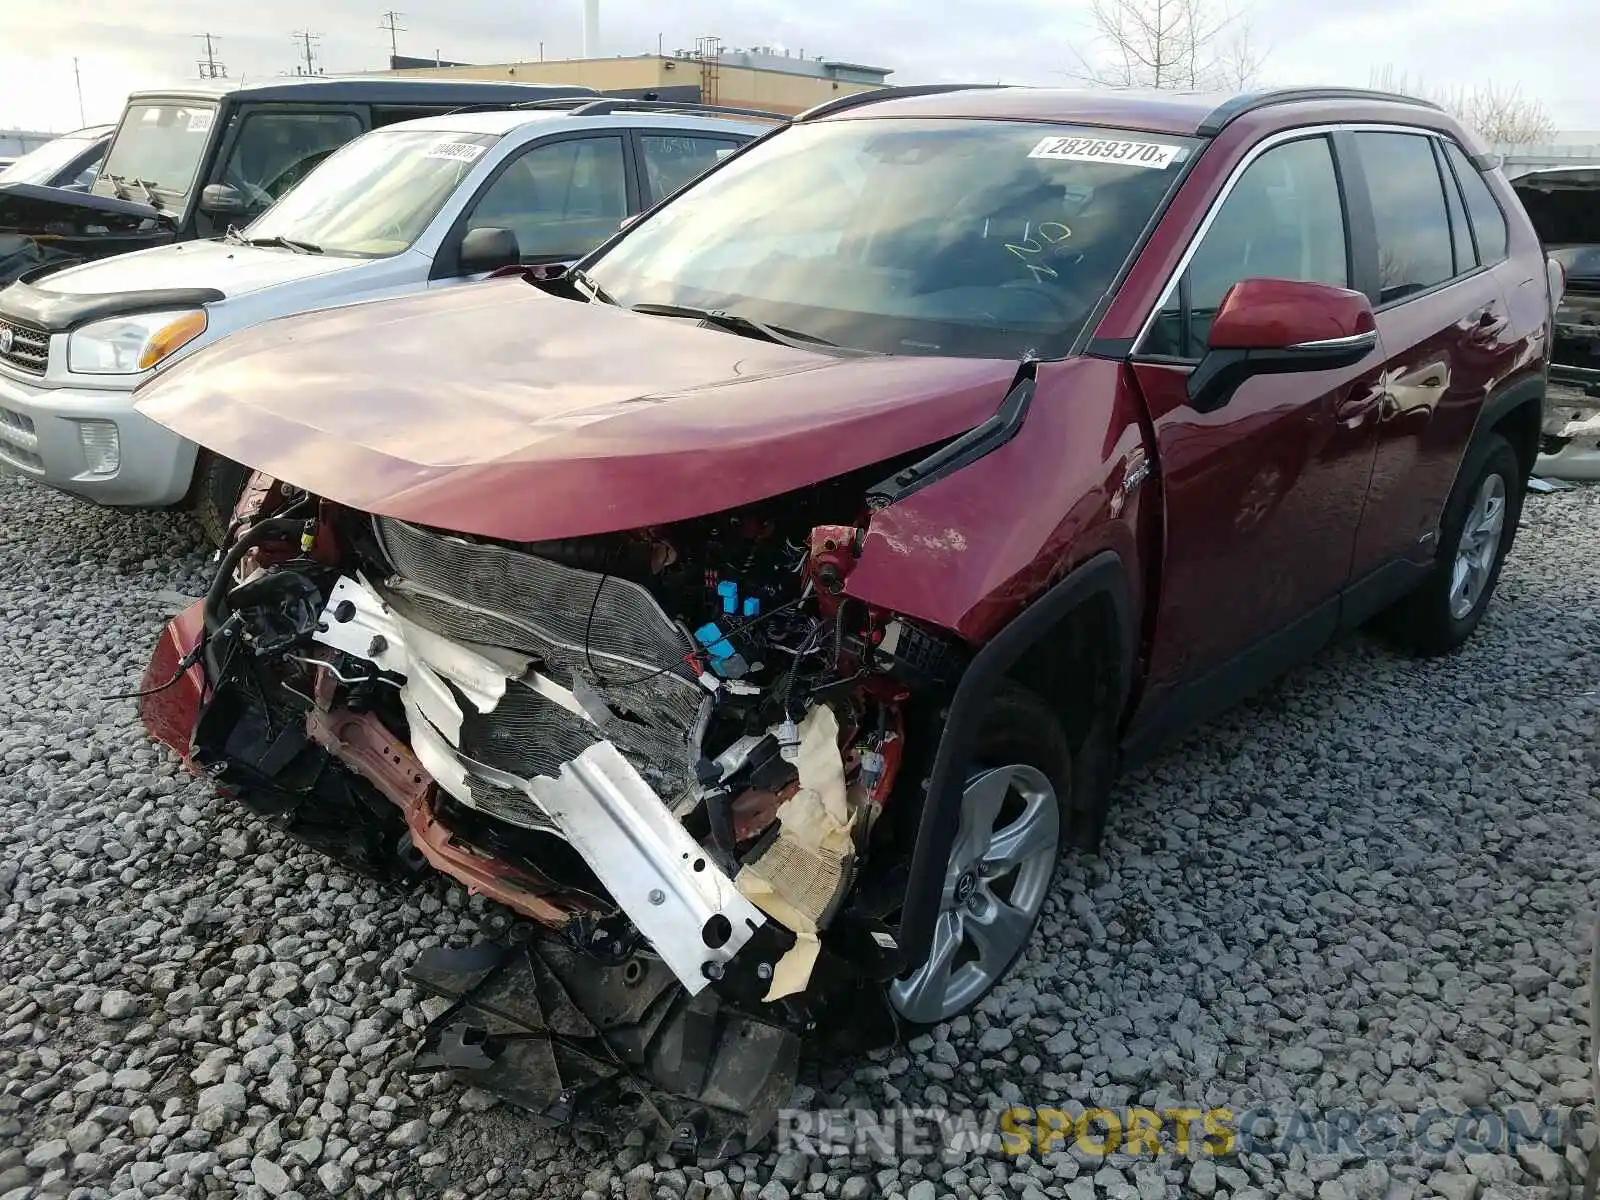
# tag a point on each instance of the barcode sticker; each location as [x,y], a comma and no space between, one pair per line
[459,151]
[1158,155]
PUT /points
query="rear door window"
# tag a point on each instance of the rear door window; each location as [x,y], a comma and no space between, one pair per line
[671,161]
[561,199]
[1488,221]
[1413,224]
[1460,233]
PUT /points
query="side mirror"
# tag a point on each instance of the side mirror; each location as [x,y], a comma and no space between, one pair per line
[1280,326]
[219,199]
[488,249]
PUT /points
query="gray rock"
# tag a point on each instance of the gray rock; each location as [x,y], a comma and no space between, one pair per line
[923,1189]
[1300,1059]
[118,1005]
[335,1178]
[992,1041]
[47,1154]
[1203,1177]
[269,1176]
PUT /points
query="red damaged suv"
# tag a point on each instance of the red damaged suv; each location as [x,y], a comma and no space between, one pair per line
[757,610]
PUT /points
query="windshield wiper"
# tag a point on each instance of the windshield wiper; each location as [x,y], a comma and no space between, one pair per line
[296,244]
[596,292]
[744,326]
[118,186]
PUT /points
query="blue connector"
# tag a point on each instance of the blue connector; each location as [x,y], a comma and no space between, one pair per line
[752,606]
[717,646]
[729,591]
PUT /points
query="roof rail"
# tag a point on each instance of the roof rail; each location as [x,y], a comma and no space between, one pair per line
[840,103]
[588,106]
[1231,110]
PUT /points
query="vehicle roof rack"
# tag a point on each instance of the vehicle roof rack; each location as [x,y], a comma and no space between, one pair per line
[1232,109]
[840,103]
[589,106]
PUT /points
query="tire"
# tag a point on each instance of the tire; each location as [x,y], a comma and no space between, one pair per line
[1018,797]
[218,483]
[1441,614]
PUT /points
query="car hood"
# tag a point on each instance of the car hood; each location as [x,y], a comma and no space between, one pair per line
[231,269]
[498,410]
[1561,204]
[29,207]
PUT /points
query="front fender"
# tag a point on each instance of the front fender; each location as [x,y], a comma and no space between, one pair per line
[1103,577]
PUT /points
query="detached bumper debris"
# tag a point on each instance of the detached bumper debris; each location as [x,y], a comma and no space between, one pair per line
[606,1047]
[667,753]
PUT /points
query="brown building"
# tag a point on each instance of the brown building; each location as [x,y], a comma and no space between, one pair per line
[760,77]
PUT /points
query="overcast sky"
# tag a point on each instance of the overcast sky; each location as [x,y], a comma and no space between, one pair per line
[122,45]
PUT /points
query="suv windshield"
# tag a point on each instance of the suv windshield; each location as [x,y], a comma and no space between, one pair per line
[942,237]
[42,165]
[158,147]
[375,196]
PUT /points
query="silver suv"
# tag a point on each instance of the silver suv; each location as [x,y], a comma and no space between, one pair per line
[421,204]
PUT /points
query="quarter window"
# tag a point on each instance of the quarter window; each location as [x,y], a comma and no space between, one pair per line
[1283,219]
[561,199]
[1408,206]
[1488,221]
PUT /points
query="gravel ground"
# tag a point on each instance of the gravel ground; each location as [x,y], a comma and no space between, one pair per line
[1372,886]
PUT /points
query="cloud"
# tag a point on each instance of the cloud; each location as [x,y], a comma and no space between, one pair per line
[1446,42]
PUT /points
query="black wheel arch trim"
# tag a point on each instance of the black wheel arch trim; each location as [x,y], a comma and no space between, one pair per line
[1101,577]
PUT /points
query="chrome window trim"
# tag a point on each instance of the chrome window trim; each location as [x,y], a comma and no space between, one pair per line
[1270,142]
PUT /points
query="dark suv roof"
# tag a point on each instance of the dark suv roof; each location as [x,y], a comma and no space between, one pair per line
[1180,113]
[367,89]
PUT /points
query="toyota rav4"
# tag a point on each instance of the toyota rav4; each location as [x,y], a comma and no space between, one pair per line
[758,611]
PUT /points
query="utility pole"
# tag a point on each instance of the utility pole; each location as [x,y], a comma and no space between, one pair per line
[78,79]
[305,37]
[392,24]
[210,68]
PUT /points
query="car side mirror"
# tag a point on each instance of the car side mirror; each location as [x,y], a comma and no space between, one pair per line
[222,200]
[1280,326]
[488,249]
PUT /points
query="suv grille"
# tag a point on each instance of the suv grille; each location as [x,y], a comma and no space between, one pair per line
[29,350]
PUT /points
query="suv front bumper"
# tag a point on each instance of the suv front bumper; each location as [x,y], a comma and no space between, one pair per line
[43,433]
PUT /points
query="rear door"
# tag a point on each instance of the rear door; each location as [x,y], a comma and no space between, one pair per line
[1262,498]
[1443,321]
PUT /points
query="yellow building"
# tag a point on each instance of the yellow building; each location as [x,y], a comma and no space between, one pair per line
[760,77]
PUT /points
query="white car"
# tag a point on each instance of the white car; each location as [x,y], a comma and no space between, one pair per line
[420,204]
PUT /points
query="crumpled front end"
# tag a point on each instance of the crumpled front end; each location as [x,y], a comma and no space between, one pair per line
[669,752]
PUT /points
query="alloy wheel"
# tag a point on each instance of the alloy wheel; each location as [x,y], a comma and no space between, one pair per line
[1478,546]
[994,886]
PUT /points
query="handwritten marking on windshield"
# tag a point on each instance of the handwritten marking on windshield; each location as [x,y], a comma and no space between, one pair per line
[1049,233]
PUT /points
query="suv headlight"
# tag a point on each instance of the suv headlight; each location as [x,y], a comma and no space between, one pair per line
[128,345]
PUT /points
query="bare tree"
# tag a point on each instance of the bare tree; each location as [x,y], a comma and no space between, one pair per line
[1499,113]
[1169,44]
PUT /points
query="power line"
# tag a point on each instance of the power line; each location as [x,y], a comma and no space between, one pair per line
[391,23]
[210,68]
[306,38]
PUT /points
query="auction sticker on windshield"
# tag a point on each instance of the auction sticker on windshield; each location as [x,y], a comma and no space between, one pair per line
[460,151]
[200,120]
[1159,155]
